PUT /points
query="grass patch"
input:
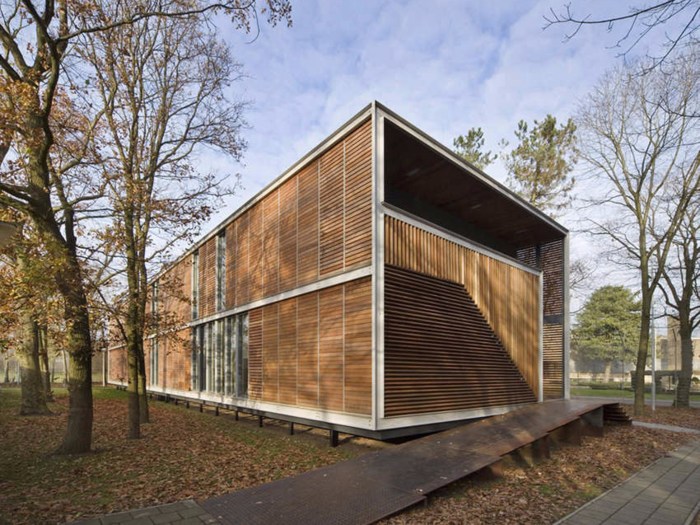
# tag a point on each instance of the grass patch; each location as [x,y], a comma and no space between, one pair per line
[183,454]
[622,393]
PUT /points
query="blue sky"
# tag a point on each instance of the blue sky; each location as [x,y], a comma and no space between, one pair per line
[444,65]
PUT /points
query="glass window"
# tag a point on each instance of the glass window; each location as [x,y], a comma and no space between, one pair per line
[242,357]
[230,337]
[209,349]
[194,361]
[153,362]
[219,357]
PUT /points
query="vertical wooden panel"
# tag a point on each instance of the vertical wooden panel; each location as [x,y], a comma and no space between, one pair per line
[255,255]
[358,197]
[307,335]
[553,338]
[242,257]
[255,354]
[331,348]
[308,236]
[270,353]
[332,211]
[358,346]
[207,277]
[231,258]
[288,234]
[271,243]
[288,351]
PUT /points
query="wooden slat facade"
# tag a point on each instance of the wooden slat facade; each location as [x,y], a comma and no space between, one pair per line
[550,258]
[507,296]
[315,350]
[461,328]
[315,225]
[440,353]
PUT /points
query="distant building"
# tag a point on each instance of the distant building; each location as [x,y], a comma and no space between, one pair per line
[669,348]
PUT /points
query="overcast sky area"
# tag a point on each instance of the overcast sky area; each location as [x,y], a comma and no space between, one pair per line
[443,65]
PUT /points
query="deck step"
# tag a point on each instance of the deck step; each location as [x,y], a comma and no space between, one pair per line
[615,413]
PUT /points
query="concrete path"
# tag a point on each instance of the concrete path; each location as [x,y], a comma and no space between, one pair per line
[667,492]
[672,428]
[630,401]
[181,513]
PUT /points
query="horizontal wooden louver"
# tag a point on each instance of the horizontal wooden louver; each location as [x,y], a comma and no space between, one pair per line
[440,352]
[507,296]
[553,366]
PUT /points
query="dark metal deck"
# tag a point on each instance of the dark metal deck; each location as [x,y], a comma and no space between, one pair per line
[371,487]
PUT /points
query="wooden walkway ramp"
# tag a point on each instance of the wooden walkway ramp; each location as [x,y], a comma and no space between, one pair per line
[366,489]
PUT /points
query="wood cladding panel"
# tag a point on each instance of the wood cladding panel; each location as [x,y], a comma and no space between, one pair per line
[358,347]
[550,257]
[287,352]
[255,253]
[242,257]
[207,277]
[315,224]
[316,349]
[332,188]
[307,344]
[231,261]
[308,226]
[553,366]
[553,273]
[174,358]
[270,352]
[255,354]
[271,243]
[508,297]
[288,235]
[117,364]
[440,353]
[174,293]
[331,343]
[358,197]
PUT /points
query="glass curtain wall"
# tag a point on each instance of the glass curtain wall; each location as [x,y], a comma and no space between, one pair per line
[219,360]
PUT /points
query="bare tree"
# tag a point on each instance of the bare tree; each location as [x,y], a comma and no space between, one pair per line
[635,148]
[637,24]
[163,85]
[680,276]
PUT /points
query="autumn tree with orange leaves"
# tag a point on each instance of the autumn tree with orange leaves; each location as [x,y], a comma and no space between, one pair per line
[48,180]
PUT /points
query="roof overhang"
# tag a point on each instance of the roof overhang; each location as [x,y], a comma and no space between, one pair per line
[431,179]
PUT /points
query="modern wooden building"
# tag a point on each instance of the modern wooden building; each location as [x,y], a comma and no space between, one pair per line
[381,286]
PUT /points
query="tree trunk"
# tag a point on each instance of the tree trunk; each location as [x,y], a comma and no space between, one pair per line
[33,398]
[78,436]
[608,369]
[133,389]
[44,363]
[143,395]
[65,369]
[686,376]
[642,351]
[6,378]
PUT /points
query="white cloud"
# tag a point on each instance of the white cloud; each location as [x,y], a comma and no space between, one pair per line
[445,66]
